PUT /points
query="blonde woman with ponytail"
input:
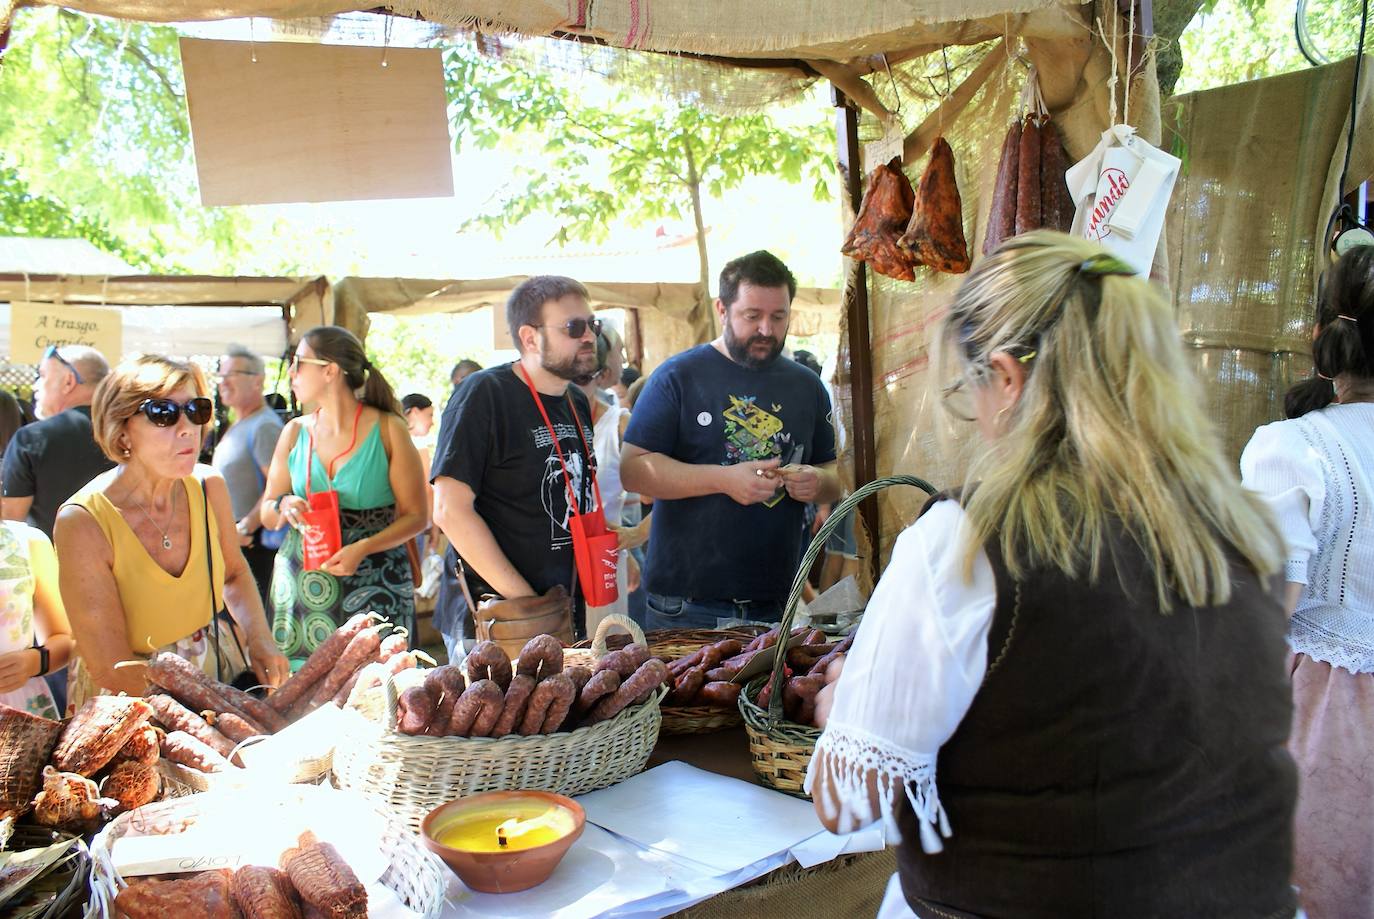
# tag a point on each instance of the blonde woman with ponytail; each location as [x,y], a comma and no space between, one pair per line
[1067,695]
[355,442]
[1316,470]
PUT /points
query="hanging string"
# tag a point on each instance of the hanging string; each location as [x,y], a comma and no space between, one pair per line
[28,291]
[1112,80]
[115,78]
[896,93]
[252,41]
[386,39]
[1130,71]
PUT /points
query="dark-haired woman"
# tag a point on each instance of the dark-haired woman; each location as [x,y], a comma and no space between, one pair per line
[355,443]
[1316,470]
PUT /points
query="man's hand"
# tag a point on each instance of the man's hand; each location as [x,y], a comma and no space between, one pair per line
[803,483]
[751,483]
[632,574]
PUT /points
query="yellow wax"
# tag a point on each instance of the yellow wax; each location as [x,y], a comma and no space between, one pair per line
[478,833]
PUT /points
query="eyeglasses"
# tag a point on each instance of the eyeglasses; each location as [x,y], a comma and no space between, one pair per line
[576,328]
[164,413]
[957,397]
[225,374]
[52,353]
[297,360]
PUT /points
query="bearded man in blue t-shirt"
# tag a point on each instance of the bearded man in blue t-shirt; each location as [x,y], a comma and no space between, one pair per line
[732,441]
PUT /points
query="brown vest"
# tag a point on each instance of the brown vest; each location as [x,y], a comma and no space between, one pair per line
[1117,763]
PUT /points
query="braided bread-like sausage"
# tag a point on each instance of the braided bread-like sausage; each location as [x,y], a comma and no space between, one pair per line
[552,697]
[517,700]
[640,685]
[541,657]
[490,701]
[488,661]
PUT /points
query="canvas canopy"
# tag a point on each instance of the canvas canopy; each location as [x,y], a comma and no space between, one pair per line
[183,315]
[669,318]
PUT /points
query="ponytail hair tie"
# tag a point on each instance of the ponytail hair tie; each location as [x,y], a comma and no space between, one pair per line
[1103,264]
[367,364]
[1348,318]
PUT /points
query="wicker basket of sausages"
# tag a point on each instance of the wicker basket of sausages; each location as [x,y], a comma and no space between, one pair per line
[782,735]
[493,725]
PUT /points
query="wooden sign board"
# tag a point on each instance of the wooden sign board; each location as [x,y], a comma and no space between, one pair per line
[309,122]
[35,326]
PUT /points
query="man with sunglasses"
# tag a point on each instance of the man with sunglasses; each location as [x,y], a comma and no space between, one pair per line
[732,441]
[48,461]
[499,489]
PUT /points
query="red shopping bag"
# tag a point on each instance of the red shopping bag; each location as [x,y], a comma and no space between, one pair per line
[596,547]
[321,535]
[321,532]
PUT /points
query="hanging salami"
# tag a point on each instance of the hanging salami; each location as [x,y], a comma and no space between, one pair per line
[1028,177]
[1002,216]
[883,215]
[935,236]
[1056,205]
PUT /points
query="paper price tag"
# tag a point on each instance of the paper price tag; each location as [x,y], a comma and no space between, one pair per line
[881,151]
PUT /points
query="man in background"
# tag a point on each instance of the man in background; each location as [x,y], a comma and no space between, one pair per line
[244,454]
[462,370]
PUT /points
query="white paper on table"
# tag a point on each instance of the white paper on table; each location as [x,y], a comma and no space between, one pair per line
[722,823]
[826,846]
[600,874]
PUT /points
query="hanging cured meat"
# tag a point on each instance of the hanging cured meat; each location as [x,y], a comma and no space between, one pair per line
[1028,177]
[1002,217]
[883,215]
[935,236]
[1056,204]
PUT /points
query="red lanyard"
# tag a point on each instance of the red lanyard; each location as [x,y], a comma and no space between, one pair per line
[329,468]
[587,450]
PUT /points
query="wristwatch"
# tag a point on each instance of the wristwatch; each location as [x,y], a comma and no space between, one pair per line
[42,659]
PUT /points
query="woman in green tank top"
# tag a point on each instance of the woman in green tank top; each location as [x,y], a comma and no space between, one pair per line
[358,446]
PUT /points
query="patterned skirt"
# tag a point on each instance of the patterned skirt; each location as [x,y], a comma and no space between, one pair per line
[309,605]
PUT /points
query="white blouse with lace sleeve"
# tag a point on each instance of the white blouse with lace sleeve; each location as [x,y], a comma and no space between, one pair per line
[1286,470]
[909,679]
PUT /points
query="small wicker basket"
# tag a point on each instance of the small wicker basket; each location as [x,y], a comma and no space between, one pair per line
[781,750]
[417,878]
[413,775]
[698,719]
[590,650]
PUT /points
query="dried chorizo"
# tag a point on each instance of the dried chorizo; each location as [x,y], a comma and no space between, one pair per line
[517,700]
[598,687]
[191,687]
[548,705]
[316,665]
[541,657]
[256,708]
[719,694]
[361,650]
[579,676]
[686,687]
[1056,204]
[445,684]
[1002,215]
[232,726]
[490,702]
[176,717]
[641,684]
[488,661]
[415,710]
[799,698]
[1028,178]
[191,752]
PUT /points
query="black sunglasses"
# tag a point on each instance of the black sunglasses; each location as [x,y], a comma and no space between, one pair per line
[576,328]
[164,412]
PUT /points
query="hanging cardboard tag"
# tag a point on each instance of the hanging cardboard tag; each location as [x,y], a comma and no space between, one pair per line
[306,122]
[882,150]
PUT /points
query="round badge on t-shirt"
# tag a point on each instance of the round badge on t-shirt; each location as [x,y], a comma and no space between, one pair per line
[704,419]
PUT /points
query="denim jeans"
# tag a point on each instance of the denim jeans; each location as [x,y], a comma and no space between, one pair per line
[685,613]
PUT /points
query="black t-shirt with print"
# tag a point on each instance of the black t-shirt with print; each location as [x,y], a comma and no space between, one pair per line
[493,438]
[700,407]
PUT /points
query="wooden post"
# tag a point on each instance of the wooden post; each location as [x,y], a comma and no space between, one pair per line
[860,339]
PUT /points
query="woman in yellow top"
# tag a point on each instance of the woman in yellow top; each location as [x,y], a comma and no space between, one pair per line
[143,559]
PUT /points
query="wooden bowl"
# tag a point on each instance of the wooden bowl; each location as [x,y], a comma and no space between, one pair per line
[503,871]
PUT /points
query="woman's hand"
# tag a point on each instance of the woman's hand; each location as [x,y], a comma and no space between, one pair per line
[346,561]
[17,668]
[292,507]
[632,574]
[268,664]
[825,699]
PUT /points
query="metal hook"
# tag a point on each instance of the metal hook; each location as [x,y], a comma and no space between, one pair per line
[896,94]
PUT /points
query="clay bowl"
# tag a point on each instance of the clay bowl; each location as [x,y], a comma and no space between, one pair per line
[502,871]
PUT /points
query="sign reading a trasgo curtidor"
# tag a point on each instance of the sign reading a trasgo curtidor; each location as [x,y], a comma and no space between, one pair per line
[36,326]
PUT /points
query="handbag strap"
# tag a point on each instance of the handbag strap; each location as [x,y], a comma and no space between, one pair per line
[210,567]
[329,467]
[582,435]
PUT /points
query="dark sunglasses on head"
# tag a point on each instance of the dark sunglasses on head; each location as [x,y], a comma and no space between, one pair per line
[576,328]
[165,412]
[52,353]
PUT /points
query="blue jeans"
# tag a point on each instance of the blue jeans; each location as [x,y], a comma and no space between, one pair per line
[685,613]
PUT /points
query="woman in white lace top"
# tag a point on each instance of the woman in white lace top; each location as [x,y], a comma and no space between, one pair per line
[1067,694]
[1316,471]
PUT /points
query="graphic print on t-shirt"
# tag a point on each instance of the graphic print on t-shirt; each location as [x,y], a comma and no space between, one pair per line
[553,487]
[751,432]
